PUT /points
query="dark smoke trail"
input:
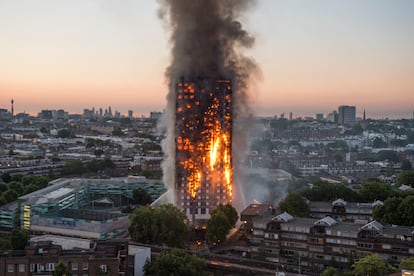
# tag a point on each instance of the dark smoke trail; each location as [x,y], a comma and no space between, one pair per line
[207,40]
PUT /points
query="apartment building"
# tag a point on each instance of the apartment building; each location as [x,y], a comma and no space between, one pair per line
[342,210]
[41,258]
[312,244]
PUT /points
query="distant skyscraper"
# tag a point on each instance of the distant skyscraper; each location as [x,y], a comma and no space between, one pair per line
[155,115]
[290,116]
[12,107]
[332,117]
[346,115]
[130,114]
[364,123]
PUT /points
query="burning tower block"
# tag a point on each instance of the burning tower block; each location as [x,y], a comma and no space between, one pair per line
[203,141]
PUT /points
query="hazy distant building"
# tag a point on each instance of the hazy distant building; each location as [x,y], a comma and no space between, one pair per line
[319,117]
[130,114]
[88,113]
[59,114]
[155,115]
[4,114]
[45,114]
[346,115]
[332,117]
[364,123]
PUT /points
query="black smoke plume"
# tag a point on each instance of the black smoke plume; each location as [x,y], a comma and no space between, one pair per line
[207,40]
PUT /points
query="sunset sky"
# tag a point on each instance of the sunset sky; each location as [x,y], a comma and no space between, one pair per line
[314,55]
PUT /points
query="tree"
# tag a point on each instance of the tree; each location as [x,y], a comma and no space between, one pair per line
[19,239]
[3,187]
[405,165]
[5,244]
[175,263]
[372,265]
[330,271]
[98,152]
[407,263]
[398,142]
[6,177]
[389,155]
[17,177]
[375,190]
[100,165]
[325,191]
[64,133]
[386,213]
[406,178]
[229,211]
[378,143]
[117,132]
[218,226]
[172,229]
[406,210]
[339,145]
[74,167]
[61,269]
[142,221]
[295,205]
[17,187]
[164,225]
[141,197]
[10,195]
[44,130]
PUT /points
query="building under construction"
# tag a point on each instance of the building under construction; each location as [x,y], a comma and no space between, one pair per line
[203,139]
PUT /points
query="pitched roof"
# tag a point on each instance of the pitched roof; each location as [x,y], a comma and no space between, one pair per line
[328,221]
[285,217]
[373,225]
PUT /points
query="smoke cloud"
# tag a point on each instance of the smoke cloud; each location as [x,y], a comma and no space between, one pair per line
[207,40]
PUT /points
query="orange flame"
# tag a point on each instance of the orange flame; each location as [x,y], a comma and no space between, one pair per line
[209,159]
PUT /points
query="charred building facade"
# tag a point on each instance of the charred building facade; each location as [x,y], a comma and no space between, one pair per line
[203,153]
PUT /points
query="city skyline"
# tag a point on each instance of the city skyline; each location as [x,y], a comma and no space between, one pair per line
[314,56]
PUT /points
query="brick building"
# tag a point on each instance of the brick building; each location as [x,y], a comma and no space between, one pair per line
[342,210]
[40,258]
[312,244]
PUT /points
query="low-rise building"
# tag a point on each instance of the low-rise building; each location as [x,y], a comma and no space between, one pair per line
[342,210]
[316,243]
[41,258]
[89,208]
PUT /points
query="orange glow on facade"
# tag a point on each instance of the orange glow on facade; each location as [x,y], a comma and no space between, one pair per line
[203,146]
